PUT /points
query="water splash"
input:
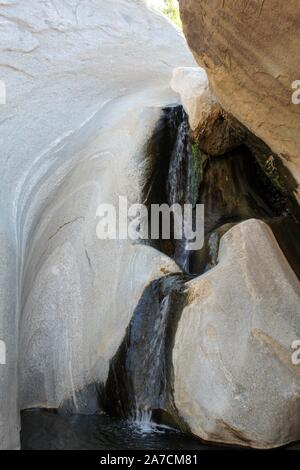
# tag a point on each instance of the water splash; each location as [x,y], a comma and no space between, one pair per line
[183,181]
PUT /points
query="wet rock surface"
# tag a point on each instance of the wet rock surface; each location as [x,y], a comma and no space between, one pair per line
[140,376]
[197,340]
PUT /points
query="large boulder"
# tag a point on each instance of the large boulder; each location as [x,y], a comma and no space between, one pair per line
[235,381]
[212,129]
[250,52]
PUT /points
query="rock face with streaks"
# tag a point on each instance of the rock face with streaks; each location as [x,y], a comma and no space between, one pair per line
[85,82]
[250,52]
[234,380]
[80,291]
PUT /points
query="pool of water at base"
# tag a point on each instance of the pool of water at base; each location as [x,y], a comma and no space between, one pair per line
[48,430]
[43,430]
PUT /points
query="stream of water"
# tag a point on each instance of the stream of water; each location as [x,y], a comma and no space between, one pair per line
[44,430]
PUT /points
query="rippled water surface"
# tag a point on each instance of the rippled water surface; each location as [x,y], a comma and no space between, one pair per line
[47,430]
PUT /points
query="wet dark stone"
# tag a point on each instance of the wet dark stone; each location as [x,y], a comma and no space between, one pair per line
[234,188]
[287,233]
[247,182]
[158,152]
[140,376]
[47,430]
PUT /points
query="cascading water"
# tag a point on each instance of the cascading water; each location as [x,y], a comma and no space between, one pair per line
[139,377]
[182,183]
[232,188]
[140,374]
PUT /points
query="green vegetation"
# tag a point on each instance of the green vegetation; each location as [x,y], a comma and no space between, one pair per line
[171,10]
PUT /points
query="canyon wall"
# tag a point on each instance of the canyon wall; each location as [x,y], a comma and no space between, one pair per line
[250,53]
[85,82]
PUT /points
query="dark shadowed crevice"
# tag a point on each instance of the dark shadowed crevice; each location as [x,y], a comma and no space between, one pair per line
[246,182]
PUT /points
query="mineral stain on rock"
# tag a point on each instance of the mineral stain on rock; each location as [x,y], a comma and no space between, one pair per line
[233,188]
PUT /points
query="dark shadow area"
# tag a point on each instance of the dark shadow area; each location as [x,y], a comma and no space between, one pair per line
[139,384]
[44,430]
[246,182]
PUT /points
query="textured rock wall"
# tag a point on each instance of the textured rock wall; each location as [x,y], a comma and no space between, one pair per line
[234,377]
[250,52]
[79,292]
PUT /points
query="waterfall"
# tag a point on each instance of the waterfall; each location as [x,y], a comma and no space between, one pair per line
[231,187]
[178,167]
[139,376]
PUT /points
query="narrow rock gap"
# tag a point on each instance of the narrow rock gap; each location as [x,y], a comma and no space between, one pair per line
[233,188]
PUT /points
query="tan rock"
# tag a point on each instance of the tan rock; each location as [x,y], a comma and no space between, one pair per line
[250,51]
[235,381]
[85,82]
[196,97]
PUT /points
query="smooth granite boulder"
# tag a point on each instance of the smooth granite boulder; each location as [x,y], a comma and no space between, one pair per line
[85,82]
[235,381]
